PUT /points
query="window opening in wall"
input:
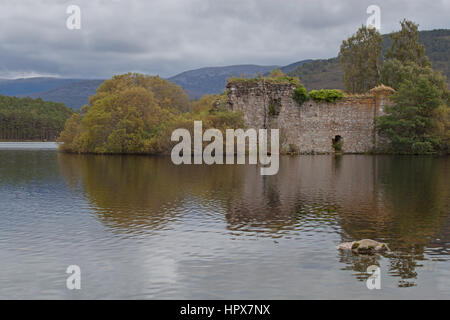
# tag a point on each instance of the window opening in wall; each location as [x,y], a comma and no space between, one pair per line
[338,142]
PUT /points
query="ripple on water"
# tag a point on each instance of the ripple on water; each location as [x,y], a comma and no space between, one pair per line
[141,227]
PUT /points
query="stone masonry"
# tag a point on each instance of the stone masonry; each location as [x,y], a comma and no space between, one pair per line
[310,127]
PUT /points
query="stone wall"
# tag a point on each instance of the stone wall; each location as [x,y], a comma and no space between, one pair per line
[310,127]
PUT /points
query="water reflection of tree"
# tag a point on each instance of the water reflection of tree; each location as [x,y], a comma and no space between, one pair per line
[400,200]
[403,201]
[410,207]
[132,193]
[358,263]
[27,166]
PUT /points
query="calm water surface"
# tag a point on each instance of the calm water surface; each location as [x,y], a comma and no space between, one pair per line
[140,227]
[28,145]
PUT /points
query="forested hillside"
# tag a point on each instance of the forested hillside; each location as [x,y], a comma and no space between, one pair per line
[328,74]
[31,119]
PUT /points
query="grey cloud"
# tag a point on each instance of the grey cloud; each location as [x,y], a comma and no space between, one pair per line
[170,36]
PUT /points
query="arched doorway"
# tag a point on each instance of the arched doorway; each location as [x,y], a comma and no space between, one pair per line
[338,143]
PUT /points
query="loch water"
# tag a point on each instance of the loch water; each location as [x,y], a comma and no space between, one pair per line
[140,227]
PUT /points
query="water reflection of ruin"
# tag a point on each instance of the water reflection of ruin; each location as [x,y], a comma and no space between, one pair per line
[404,200]
[401,201]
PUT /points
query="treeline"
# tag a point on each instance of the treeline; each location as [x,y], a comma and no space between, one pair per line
[136,114]
[328,73]
[418,120]
[31,119]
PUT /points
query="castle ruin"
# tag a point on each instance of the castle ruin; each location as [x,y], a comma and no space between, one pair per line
[311,127]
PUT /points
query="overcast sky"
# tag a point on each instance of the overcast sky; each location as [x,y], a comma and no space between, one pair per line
[166,37]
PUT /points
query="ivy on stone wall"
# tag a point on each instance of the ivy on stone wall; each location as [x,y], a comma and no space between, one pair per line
[300,94]
[325,95]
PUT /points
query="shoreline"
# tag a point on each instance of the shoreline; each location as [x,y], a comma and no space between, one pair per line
[16,141]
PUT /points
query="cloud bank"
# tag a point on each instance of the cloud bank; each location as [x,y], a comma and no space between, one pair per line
[166,37]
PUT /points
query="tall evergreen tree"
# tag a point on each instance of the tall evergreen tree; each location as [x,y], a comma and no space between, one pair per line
[419,119]
[409,123]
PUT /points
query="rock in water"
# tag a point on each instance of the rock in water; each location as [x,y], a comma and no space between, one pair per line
[345,246]
[365,246]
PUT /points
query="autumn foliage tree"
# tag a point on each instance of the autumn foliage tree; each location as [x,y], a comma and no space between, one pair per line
[133,113]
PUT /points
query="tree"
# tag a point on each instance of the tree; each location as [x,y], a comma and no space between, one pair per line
[209,103]
[169,95]
[276,74]
[360,59]
[409,124]
[31,119]
[406,47]
[122,116]
[136,114]
[418,121]
[442,128]
[71,130]
[394,73]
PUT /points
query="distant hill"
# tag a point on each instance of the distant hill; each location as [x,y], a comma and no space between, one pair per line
[320,74]
[31,85]
[74,94]
[291,67]
[328,74]
[437,45]
[212,80]
[315,74]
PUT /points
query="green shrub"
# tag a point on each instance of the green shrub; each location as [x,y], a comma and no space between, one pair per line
[293,149]
[300,94]
[337,146]
[271,110]
[323,95]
